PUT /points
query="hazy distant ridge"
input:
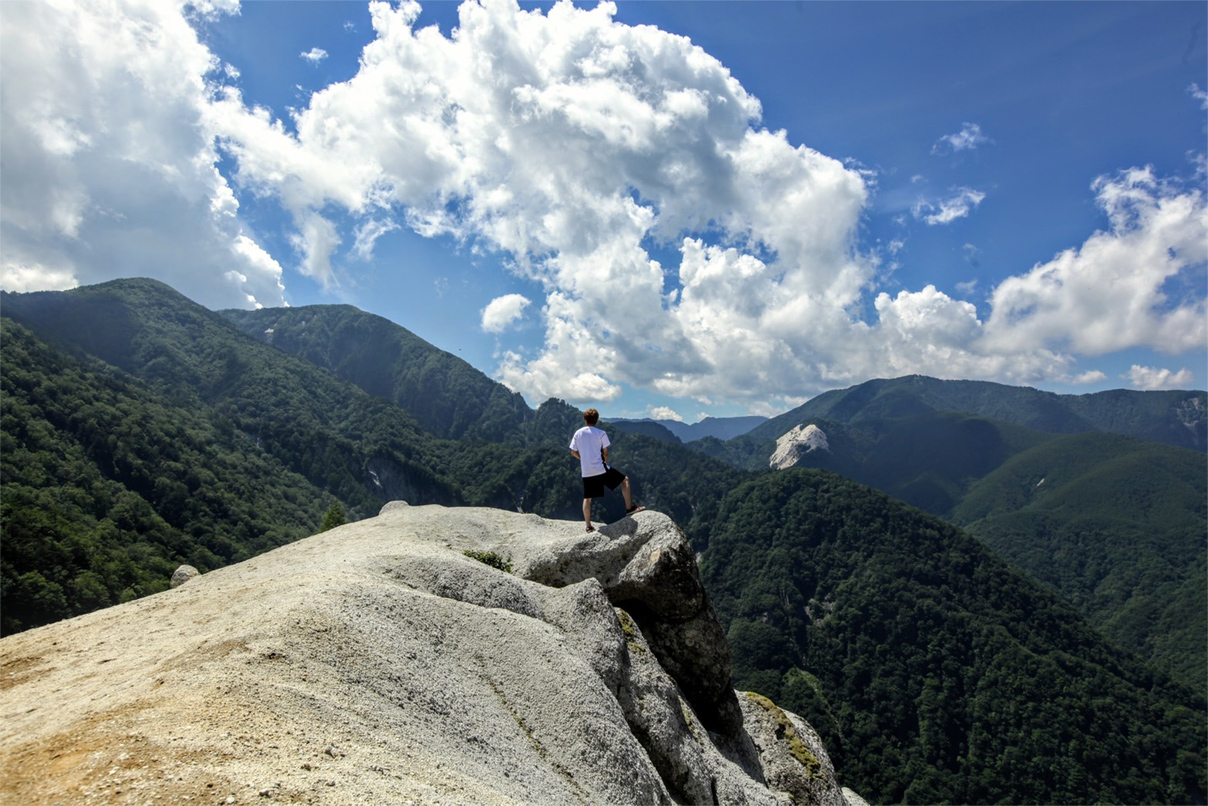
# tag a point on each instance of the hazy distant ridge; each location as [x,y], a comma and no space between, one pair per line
[722,428]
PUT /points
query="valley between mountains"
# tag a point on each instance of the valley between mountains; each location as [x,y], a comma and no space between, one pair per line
[972,592]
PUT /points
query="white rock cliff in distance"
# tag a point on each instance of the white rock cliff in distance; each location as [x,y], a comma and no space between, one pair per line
[377,663]
[793,444]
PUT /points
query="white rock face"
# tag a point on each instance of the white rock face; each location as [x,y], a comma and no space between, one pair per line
[377,663]
[793,445]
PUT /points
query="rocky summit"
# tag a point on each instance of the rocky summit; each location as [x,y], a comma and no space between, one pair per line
[429,655]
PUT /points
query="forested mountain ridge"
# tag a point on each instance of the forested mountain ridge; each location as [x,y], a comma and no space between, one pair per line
[287,418]
[328,431]
[108,487]
[448,397]
[926,458]
[1177,418]
[933,671]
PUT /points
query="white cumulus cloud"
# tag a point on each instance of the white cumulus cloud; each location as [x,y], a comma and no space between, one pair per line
[1089,377]
[680,245]
[1151,378]
[21,278]
[314,55]
[109,165]
[566,141]
[569,142]
[503,311]
[1115,291]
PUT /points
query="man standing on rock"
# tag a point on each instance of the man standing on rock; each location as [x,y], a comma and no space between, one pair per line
[590,446]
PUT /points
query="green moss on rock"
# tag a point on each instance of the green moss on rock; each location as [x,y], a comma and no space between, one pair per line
[789,735]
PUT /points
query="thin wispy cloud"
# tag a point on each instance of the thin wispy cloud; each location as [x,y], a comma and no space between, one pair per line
[944,211]
[1200,95]
[968,138]
[367,234]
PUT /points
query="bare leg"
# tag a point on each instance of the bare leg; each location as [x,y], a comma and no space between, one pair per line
[587,512]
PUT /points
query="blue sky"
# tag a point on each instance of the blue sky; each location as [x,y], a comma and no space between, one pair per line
[668,208]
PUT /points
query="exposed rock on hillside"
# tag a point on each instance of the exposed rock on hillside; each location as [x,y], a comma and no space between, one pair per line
[378,663]
[791,446]
[183,575]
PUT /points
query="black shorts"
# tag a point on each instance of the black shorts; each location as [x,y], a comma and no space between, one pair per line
[593,486]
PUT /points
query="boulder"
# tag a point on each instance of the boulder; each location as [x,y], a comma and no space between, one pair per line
[182,575]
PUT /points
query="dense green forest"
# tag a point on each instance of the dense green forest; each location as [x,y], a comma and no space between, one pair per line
[933,671]
[447,396]
[108,487]
[141,431]
[1115,524]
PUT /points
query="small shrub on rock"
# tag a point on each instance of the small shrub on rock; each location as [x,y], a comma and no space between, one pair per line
[492,559]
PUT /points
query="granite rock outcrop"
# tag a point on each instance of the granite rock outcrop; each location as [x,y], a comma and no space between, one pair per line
[394,660]
[796,443]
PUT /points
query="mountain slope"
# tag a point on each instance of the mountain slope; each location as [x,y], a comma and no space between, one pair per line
[1115,525]
[346,442]
[450,399]
[903,718]
[722,428]
[447,396]
[933,671]
[927,459]
[204,447]
[108,487]
[1132,567]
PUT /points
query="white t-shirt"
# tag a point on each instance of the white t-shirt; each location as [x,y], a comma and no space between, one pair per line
[590,442]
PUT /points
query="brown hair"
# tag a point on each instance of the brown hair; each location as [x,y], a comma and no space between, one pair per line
[591,416]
